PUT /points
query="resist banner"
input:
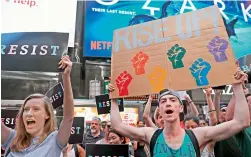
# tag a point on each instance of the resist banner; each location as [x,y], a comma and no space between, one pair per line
[102,150]
[104,104]
[56,95]
[33,51]
[77,130]
[9,117]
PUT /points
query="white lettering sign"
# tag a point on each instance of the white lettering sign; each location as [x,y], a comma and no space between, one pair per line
[227,91]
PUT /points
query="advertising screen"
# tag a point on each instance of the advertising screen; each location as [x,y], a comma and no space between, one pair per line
[103,17]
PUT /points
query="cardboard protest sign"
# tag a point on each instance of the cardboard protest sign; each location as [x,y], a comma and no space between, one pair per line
[121,150]
[33,51]
[104,104]
[77,129]
[56,95]
[9,117]
[182,52]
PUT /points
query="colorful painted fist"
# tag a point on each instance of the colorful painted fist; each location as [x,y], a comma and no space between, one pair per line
[157,77]
[217,47]
[199,69]
[122,82]
[175,55]
[138,62]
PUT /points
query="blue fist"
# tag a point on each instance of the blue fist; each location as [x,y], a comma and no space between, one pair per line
[199,69]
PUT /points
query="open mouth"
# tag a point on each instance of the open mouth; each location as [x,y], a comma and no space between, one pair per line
[169,111]
[30,122]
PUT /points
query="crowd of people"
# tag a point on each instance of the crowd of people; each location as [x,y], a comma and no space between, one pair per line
[227,132]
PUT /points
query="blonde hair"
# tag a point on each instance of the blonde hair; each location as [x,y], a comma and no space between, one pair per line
[22,139]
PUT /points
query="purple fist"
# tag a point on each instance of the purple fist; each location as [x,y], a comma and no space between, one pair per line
[218,47]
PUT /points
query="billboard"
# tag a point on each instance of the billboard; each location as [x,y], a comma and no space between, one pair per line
[103,17]
[39,16]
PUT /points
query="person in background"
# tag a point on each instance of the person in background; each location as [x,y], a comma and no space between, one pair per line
[94,134]
[193,107]
[138,147]
[116,138]
[146,115]
[203,122]
[242,138]
[103,125]
[191,121]
[36,131]
[130,143]
[107,128]
[222,113]
[228,147]
[73,150]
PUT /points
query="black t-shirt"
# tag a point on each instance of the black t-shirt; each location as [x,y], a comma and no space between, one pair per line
[227,148]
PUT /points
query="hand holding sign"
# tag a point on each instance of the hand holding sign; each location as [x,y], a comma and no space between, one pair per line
[208,91]
[65,64]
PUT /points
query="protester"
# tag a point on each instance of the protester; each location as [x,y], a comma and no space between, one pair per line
[94,134]
[73,150]
[192,105]
[146,115]
[35,133]
[212,111]
[229,146]
[203,122]
[103,125]
[107,128]
[116,138]
[191,122]
[175,139]
[139,147]
[243,138]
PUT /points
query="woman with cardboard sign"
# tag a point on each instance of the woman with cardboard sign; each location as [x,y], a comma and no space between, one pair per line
[35,134]
[173,140]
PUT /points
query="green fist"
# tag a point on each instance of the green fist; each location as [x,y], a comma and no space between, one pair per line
[175,55]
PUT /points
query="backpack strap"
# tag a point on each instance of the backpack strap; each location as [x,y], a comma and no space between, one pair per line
[194,141]
[7,152]
[154,139]
[75,146]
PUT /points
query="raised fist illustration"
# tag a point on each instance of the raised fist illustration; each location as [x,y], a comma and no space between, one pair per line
[217,47]
[175,55]
[122,82]
[199,70]
[157,77]
[139,61]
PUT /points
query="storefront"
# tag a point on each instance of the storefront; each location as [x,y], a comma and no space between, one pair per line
[133,110]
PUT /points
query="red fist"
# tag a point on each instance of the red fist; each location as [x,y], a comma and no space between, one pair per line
[122,82]
[139,61]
